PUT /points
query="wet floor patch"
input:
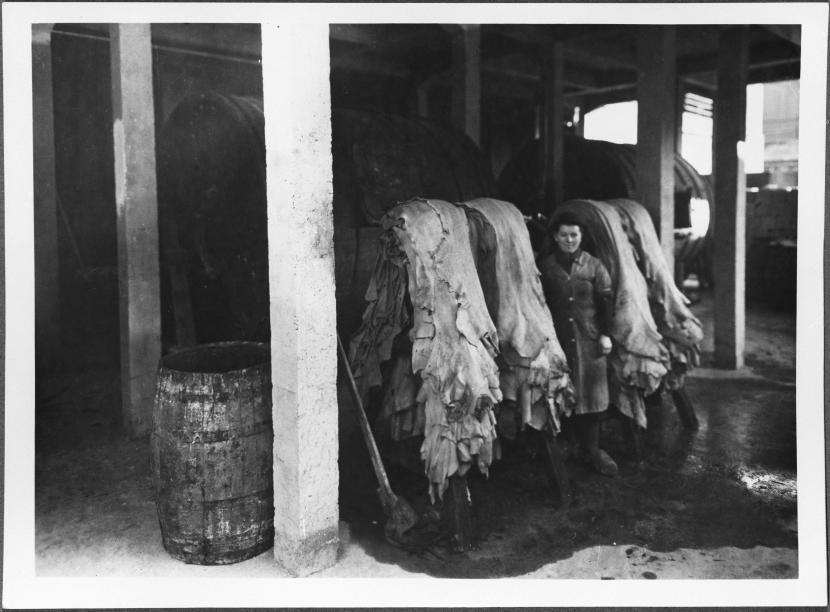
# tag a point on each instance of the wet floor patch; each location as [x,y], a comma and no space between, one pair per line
[732,483]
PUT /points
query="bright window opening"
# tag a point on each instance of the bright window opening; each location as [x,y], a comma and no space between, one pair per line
[612,122]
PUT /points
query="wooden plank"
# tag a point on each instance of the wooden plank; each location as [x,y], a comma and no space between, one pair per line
[729,215]
[656,118]
[137,221]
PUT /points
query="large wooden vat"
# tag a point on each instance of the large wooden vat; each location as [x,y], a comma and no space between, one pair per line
[212,189]
[211,453]
[600,170]
[596,170]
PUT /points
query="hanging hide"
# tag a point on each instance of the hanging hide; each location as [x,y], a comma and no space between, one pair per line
[639,361]
[532,367]
[453,340]
[681,330]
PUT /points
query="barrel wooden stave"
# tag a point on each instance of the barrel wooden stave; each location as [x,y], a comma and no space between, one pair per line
[211,451]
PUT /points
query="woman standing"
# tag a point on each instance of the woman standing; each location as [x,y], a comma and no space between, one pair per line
[578,292]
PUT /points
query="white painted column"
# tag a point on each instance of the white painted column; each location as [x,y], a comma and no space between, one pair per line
[656,116]
[137,221]
[297,105]
[47,293]
[466,83]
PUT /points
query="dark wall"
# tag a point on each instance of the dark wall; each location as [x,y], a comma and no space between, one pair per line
[771,246]
[84,167]
[85,187]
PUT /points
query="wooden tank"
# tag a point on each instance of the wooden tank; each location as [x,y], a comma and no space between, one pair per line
[212,206]
[593,169]
[601,170]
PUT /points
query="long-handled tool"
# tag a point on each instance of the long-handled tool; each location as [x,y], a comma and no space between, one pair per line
[400,516]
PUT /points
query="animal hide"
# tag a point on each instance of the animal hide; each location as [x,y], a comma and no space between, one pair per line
[638,360]
[386,314]
[681,330]
[533,371]
[454,342]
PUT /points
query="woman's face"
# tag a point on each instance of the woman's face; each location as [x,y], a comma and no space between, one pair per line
[568,237]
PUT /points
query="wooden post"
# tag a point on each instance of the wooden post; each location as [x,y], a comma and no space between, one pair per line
[47,294]
[678,116]
[553,128]
[297,105]
[137,221]
[729,219]
[656,129]
[466,83]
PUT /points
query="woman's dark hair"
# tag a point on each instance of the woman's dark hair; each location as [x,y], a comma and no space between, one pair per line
[566,218]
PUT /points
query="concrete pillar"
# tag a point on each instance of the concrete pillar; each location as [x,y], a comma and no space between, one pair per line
[47,294]
[466,80]
[656,101]
[729,219]
[553,124]
[297,104]
[137,221]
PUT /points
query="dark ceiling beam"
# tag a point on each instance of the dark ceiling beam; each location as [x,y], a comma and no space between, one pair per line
[355,34]
[245,53]
[512,73]
[591,102]
[768,73]
[791,33]
[605,89]
[699,85]
[575,80]
[376,36]
[543,34]
[759,55]
[368,64]
[504,88]
[582,56]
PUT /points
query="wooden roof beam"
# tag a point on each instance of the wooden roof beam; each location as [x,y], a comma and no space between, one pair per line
[368,64]
[791,33]
[759,55]
[377,36]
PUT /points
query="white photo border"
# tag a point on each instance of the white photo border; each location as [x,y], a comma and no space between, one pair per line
[23,589]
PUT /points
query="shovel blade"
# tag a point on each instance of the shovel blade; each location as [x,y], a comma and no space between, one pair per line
[400,516]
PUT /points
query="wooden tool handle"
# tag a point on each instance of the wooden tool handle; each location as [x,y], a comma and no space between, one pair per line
[374,454]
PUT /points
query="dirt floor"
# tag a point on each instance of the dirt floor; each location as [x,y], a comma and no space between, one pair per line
[719,502]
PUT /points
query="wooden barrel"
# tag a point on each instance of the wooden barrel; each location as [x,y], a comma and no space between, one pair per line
[596,170]
[212,186]
[211,453]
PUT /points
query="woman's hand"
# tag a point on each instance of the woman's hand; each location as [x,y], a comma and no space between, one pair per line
[605,344]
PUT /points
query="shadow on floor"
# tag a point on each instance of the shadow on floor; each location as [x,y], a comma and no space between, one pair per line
[732,483]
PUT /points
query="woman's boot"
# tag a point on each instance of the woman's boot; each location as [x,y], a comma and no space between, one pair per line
[600,460]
